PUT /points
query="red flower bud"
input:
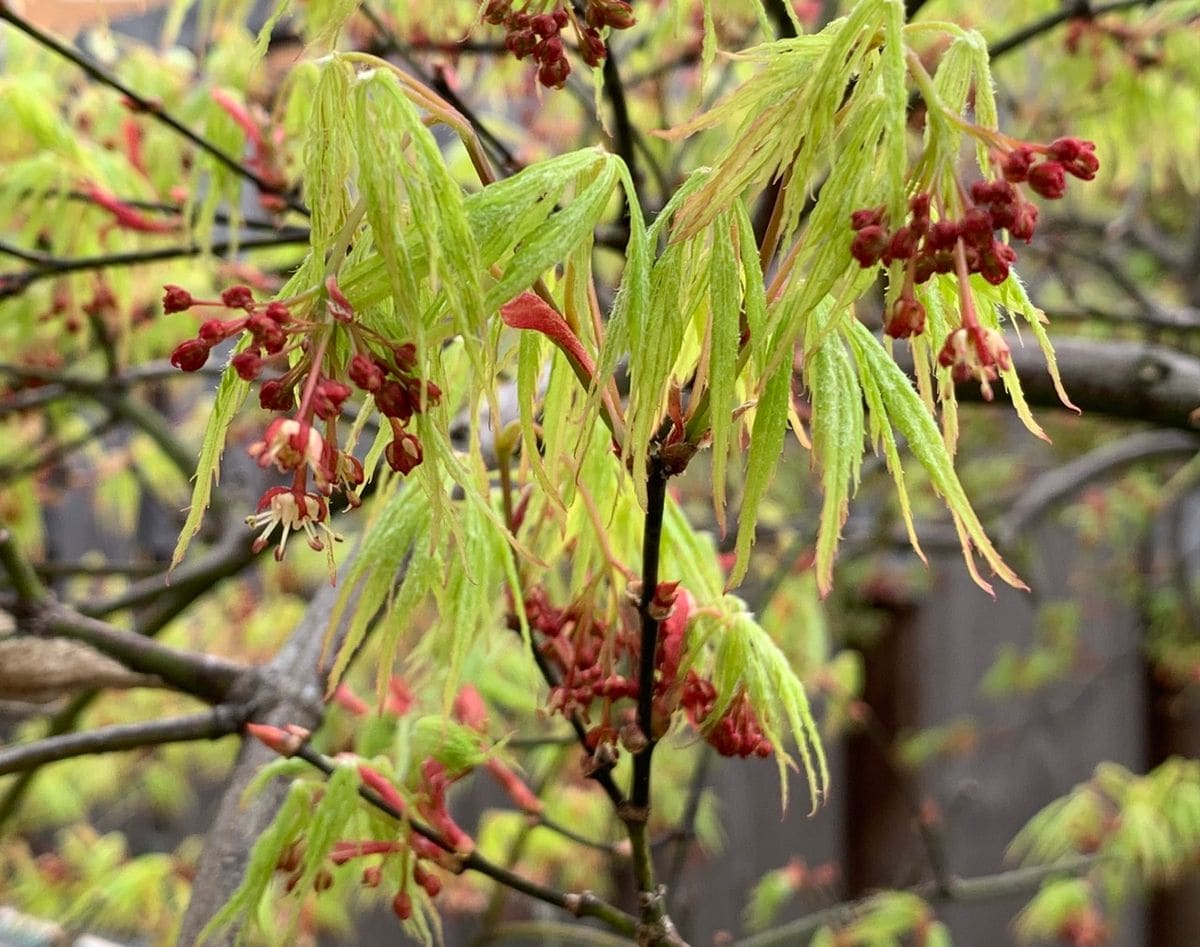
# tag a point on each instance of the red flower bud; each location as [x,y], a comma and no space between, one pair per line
[907,318]
[995,261]
[521,43]
[248,365]
[918,205]
[976,227]
[902,245]
[615,13]
[278,312]
[266,332]
[402,905]
[213,331]
[393,401]
[867,217]
[404,454]
[176,299]
[1048,179]
[1025,219]
[591,47]
[371,876]
[190,355]
[549,50]
[238,297]
[868,245]
[365,373]
[1016,164]
[942,235]
[544,24]
[275,396]
[328,397]
[553,73]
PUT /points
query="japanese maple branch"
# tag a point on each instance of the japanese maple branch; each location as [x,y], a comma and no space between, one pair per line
[36,611]
[657,926]
[1080,9]
[581,904]
[983,888]
[44,266]
[213,724]
[140,103]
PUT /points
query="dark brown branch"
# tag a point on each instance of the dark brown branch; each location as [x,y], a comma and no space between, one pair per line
[583,904]
[1059,485]
[201,675]
[1132,381]
[987,887]
[48,267]
[212,724]
[1069,11]
[140,103]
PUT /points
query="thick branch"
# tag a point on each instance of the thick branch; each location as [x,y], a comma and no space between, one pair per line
[201,675]
[210,725]
[1133,381]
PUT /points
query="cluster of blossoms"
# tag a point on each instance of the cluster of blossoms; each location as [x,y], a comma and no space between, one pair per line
[540,34]
[969,243]
[599,664]
[283,352]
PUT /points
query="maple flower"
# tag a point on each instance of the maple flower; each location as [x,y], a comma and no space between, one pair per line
[294,510]
[290,444]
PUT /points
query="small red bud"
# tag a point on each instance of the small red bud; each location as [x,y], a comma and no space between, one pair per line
[906,320]
[544,24]
[868,245]
[867,217]
[176,299]
[404,454]
[248,365]
[238,297]
[402,905]
[1048,179]
[278,312]
[275,396]
[1016,164]
[553,73]
[190,355]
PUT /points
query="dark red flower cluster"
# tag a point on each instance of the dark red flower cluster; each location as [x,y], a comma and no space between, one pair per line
[299,349]
[597,663]
[970,243]
[540,34]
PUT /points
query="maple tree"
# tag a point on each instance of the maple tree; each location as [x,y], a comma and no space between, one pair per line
[503,332]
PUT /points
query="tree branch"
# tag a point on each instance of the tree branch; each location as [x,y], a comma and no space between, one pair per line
[47,267]
[986,887]
[581,904]
[1132,381]
[212,724]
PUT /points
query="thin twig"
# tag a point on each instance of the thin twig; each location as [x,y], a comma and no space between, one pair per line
[986,887]
[581,904]
[48,267]
[220,721]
